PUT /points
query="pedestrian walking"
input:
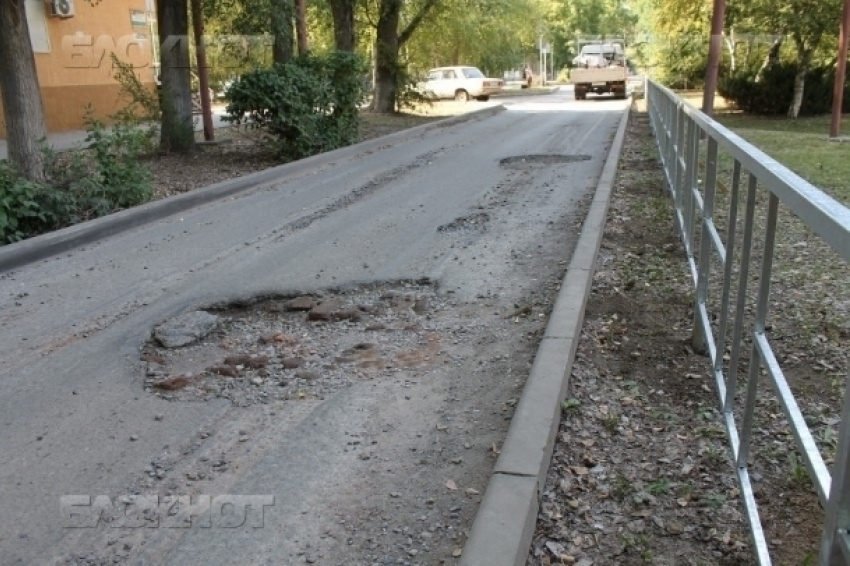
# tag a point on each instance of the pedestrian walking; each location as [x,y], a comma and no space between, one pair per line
[529,76]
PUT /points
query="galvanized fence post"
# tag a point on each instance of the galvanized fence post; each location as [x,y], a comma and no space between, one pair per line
[835,545]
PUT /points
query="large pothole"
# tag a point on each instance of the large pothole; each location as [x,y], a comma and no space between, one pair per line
[305,346]
[479,221]
[525,162]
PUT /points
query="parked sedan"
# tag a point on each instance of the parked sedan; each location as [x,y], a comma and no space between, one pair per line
[461,83]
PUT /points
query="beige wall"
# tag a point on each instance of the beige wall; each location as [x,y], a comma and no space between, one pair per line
[77,70]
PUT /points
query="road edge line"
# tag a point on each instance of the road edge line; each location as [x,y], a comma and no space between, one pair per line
[31,250]
[503,528]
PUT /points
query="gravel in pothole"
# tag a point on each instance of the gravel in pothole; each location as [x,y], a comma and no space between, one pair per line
[304,346]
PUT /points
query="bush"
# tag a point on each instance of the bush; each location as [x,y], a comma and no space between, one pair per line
[26,208]
[104,178]
[408,93]
[109,176]
[773,92]
[307,105]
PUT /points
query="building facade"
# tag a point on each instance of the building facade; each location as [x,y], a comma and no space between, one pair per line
[72,41]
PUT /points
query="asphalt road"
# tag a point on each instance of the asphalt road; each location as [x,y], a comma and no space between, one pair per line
[72,325]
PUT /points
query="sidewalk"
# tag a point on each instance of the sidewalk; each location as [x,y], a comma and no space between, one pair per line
[62,141]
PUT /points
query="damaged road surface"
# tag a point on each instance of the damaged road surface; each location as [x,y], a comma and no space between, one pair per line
[318,370]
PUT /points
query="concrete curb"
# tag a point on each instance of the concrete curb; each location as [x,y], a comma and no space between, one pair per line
[34,249]
[504,526]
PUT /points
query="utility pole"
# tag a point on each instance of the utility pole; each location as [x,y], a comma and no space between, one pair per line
[714,51]
[203,71]
[542,30]
[840,68]
[540,59]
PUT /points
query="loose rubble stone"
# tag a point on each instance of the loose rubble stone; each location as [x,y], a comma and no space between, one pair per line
[225,370]
[254,362]
[185,329]
[303,303]
[173,383]
[324,310]
[291,363]
[308,375]
[152,358]
[421,305]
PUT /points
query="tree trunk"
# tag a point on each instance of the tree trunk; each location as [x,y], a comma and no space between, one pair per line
[282,20]
[771,58]
[732,46]
[20,92]
[804,56]
[343,16]
[176,91]
[301,26]
[386,64]
[389,40]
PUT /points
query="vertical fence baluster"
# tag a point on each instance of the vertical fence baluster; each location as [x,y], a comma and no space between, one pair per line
[762,302]
[699,340]
[692,160]
[671,144]
[671,150]
[741,303]
[755,360]
[758,328]
[677,167]
[766,264]
[687,188]
[731,230]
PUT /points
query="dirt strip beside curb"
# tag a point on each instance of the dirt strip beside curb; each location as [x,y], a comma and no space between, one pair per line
[504,524]
[16,255]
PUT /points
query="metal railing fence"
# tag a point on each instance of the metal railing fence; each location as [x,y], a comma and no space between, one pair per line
[690,144]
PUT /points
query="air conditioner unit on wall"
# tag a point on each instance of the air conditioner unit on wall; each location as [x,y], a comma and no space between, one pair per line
[62,8]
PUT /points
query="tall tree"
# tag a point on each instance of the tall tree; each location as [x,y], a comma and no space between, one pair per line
[388,43]
[282,20]
[20,92]
[343,18]
[177,131]
[301,26]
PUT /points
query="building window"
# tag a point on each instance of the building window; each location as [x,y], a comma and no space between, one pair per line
[37,23]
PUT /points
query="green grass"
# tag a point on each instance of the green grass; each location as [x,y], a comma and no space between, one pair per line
[802,145]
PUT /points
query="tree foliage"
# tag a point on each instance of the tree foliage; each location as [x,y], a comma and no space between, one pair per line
[494,35]
[753,37]
[807,24]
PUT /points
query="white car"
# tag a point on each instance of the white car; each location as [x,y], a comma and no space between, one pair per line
[461,83]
